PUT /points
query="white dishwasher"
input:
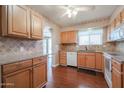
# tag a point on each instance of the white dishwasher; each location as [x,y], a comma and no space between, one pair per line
[72,58]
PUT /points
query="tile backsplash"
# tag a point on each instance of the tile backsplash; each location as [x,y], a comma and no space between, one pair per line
[11,48]
[120,46]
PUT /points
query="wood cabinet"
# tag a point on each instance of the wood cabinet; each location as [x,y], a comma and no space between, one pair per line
[99,61]
[62,58]
[18,79]
[118,20]
[25,74]
[117,74]
[90,60]
[40,73]
[86,60]
[116,79]
[81,60]
[15,21]
[20,21]
[68,37]
[122,15]
[112,25]
[36,25]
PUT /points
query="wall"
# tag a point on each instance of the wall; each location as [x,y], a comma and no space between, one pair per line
[14,49]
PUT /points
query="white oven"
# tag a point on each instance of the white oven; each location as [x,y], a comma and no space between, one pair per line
[108,69]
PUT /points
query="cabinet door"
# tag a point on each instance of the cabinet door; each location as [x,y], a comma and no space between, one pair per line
[18,21]
[90,61]
[63,58]
[118,20]
[19,79]
[122,16]
[99,61]
[68,37]
[112,25]
[39,75]
[81,60]
[71,37]
[116,79]
[36,26]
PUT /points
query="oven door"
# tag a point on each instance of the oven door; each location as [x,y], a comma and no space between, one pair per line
[108,70]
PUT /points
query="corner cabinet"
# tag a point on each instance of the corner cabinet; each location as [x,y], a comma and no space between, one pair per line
[20,21]
[25,74]
[36,25]
[68,37]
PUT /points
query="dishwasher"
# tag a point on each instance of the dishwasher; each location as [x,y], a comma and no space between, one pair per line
[72,59]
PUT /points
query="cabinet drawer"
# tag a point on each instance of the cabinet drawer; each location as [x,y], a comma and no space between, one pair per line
[8,68]
[37,60]
[116,65]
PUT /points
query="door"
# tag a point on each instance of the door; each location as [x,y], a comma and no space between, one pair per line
[19,79]
[90,61]
[116,79]
[39,75]
[36,26]
[18,21]
[81,60]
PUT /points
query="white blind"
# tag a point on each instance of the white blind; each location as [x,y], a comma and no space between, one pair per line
[90,36]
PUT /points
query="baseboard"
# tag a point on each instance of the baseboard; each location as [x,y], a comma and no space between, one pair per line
[55,65]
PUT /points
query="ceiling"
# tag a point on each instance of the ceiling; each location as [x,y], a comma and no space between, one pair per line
[54,13]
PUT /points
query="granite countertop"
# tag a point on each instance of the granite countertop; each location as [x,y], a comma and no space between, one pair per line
[8,58]
[116,55]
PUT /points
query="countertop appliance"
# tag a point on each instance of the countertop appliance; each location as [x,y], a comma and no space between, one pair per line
[108,69]
[72,58]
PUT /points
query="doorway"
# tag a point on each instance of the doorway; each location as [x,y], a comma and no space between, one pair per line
[47,45]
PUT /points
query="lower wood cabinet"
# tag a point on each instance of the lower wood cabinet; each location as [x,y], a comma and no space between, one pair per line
[39,74]
[117,74]
[116,79]
[63,58]
[81,60]
[99,61]
[18,79]
[25,74]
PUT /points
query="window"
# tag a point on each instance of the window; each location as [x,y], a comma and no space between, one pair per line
[90,37]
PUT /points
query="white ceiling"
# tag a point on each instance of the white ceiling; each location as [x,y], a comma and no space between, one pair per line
[54,13]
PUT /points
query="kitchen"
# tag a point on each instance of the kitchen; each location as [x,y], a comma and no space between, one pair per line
[86,42]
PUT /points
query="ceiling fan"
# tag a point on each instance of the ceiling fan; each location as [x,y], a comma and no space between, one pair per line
[73,10]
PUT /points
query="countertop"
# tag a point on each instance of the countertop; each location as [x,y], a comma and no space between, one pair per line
[4,59]
[116,55]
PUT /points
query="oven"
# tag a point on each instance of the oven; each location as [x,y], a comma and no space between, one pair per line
[108,69]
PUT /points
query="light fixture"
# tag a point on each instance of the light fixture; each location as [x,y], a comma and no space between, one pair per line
[73,10]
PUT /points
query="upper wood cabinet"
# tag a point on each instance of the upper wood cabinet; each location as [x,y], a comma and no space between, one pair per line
[15,21]
[36,25]
[122,15]
[20,21]
[112,25]
[99,61]
[118,20]
[68,37]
